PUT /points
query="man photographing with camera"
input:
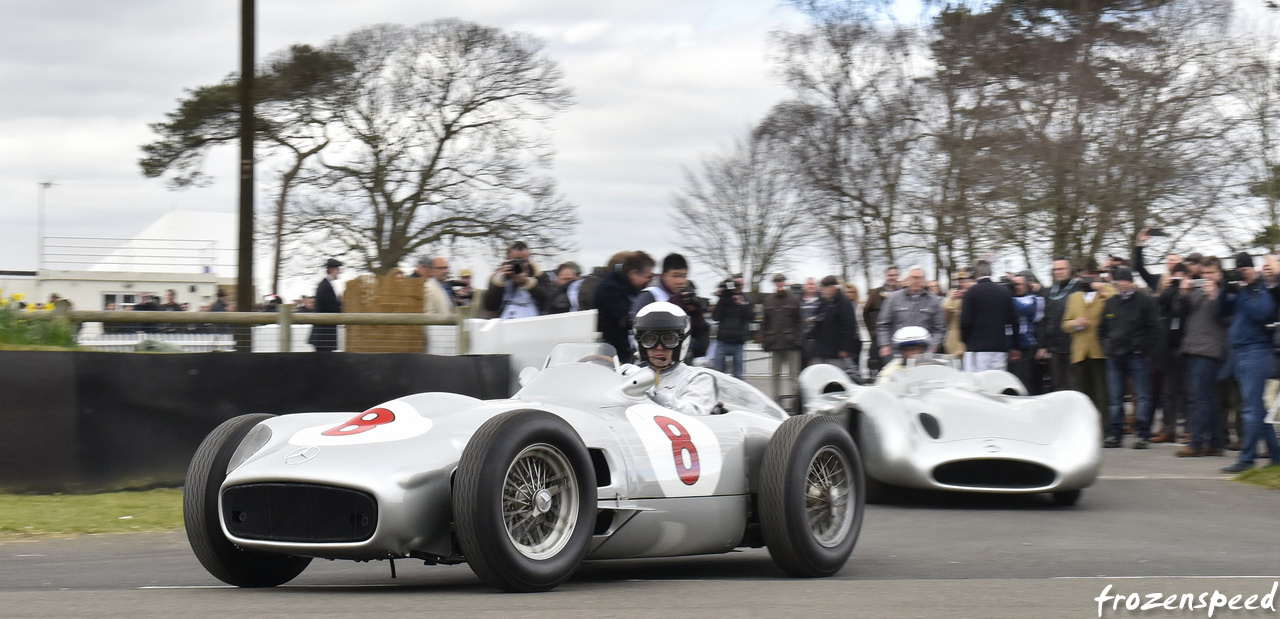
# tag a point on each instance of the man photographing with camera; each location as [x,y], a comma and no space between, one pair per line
[1252,307]
[673,286]
[734,313]
[518,289]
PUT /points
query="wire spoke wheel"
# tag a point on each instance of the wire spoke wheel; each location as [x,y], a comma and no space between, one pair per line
[811,496]
[828,497]
[540,501]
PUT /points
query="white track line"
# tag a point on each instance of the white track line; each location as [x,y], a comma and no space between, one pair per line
[1166,578]
[1223,476]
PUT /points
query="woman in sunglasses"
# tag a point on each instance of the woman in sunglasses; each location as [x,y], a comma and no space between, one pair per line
[660,330]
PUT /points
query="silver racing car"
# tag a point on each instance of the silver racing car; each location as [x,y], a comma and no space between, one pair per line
[932,426]
[579,464]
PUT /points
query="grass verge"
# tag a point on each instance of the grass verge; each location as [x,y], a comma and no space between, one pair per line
[24,516]
[1267,477]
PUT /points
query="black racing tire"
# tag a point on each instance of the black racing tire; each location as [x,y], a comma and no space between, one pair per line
[811,496]
[223,559]
[519,531]
[1067,498]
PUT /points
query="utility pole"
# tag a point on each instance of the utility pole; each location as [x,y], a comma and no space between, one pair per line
[43,187]
[244,273]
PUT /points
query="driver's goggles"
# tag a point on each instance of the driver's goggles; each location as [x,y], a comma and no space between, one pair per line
[668,339]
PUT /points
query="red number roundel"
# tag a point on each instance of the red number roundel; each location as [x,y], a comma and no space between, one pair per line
[680,445]
[363,422]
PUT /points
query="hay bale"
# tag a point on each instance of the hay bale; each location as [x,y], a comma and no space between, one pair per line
[385,295]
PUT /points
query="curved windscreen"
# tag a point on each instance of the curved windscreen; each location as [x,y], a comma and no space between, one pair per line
[596,353]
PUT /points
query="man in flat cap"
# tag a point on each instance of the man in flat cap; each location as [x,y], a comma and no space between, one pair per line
[325,337]
[782,334]
[1129,330]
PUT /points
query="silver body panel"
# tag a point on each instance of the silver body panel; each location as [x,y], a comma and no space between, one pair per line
[979,418]
[407,465]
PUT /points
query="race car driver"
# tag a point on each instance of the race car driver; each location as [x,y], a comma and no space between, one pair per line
[910,344]
[661,329]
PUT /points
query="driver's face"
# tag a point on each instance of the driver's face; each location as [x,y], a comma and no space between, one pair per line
[659,357]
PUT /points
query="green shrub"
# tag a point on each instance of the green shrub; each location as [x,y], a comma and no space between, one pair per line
[33,325]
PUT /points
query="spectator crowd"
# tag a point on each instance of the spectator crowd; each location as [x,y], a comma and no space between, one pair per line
[1182,355]
[1178,356]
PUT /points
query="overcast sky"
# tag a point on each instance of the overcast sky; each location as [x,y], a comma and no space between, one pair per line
[658,84]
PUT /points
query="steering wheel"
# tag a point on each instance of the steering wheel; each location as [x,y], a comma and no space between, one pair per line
[604,360]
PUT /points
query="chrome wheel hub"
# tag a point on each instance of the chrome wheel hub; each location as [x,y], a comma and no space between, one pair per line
[828,490]
[540,501]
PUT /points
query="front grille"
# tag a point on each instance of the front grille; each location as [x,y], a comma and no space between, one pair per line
[281,512]
[994,474]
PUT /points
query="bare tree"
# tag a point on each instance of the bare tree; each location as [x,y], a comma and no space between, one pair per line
[1254,89]
[1085,122]
[439,139]
[852,126]
[741,212]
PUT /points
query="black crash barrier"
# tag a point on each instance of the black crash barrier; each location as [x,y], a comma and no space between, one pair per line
[93,421]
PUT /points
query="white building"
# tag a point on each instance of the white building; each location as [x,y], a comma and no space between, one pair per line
[189,252]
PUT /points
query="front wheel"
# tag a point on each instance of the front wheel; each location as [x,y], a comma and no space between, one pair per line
[224,560]
[524,501]
[1066,498]
[811,496]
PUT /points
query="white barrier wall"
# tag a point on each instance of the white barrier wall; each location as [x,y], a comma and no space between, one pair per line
[529,340]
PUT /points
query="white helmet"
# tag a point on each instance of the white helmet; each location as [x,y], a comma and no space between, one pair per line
[660,322]
[910,336]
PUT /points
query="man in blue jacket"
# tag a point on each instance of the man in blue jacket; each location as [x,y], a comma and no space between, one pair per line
[1253,307]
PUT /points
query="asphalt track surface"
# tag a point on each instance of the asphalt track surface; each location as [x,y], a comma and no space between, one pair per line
[1152,524]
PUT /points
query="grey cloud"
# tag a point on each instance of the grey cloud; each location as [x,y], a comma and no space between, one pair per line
[659,85]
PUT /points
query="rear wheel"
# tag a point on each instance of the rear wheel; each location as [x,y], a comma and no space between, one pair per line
[811,496]
[223,559]
[524,501]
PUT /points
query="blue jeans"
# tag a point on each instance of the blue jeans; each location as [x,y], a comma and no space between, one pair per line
[1202,373]
[725,349]
[1119,368]
[1253,368]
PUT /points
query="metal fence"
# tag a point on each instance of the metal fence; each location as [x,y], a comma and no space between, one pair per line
[283,330]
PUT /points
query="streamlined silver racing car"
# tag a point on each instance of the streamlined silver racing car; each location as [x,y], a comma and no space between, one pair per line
[933,426]
[579,464]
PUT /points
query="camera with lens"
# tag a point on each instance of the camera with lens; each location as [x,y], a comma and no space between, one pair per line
[518,266]
[1232,280]
[691,299]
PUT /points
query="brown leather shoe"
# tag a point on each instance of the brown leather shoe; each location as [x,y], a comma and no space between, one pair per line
[1163,437]
[1189,452]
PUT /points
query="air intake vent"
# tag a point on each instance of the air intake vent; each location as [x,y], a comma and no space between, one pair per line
[930,425]
[994,474]
[307,513]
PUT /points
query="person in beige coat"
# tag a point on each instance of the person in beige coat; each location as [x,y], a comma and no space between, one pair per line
[435,289]
[1088,362]
[951,307]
